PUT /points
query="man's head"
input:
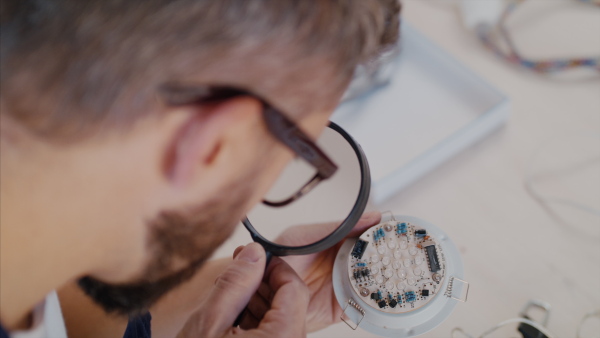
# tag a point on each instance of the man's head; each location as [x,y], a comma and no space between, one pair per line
[93,148]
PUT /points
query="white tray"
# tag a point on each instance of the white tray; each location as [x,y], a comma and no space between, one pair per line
[433,108]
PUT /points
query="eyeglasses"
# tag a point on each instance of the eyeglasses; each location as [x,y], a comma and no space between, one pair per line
[280,126]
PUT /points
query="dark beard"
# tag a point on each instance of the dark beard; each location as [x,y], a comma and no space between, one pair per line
[175,238]
[134,299]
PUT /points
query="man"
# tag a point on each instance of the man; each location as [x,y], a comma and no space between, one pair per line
[133,140]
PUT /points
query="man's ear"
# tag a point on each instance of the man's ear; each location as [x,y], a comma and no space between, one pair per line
[200,137]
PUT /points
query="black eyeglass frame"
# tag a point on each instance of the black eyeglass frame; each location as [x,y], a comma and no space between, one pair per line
[279,125]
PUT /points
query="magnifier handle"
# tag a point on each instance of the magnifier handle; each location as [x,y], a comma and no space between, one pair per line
[238,320]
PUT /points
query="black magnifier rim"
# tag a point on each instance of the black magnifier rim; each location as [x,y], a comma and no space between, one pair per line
[347,225]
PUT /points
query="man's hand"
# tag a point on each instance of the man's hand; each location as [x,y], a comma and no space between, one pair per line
[315,270]
[283,316]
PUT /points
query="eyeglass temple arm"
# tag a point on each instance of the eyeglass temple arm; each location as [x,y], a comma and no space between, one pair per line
[288,133]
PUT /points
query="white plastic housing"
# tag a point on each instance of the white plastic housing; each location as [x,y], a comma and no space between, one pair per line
[408,324]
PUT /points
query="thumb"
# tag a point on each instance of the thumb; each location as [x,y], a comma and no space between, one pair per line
[232,291]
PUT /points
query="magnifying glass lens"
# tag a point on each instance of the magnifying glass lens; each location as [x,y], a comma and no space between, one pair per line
[319,212]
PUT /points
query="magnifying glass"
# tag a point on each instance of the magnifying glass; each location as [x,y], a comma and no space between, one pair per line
[334,206]
[325,215]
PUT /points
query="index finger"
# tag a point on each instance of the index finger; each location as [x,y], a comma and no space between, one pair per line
[287,315]
[367,220]
[308,234]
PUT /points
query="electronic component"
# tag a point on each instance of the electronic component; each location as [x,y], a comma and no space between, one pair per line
[393,266]
[391,301]
[432,258]
[420,233]
[401,228]
[385,285]
[359,249]
[410,296]
[378,234]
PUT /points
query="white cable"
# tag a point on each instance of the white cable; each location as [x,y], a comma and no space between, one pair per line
[537,326]
[475,13]
[594,313]
[543,330]
[548,203]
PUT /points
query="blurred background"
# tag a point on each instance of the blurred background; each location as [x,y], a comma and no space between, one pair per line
[522,200]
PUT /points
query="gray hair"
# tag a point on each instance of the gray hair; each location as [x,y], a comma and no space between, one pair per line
[71,67]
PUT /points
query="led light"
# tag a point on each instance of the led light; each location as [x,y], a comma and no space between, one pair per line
[392,313]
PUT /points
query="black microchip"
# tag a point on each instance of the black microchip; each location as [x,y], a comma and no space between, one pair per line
[393,303]
[434,264]
[359,249]
[381,304]
[425,293]
[374,295]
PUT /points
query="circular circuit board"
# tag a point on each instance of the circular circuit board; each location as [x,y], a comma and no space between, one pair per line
[396,267]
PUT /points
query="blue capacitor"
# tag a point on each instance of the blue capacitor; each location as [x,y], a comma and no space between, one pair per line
[400,298]
[361,264]
[410,296]
[381,233]
[379,296]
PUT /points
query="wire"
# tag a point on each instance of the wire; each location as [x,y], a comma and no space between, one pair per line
[537,326]
[594,313]
[549,203]
[485,32]
[540,328]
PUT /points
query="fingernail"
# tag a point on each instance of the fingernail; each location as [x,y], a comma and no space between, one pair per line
[251,253]
[237,250]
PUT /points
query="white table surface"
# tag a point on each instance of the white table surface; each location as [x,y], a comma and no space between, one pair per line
[513,249]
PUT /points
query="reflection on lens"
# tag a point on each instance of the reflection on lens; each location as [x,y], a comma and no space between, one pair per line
[318,213]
